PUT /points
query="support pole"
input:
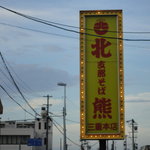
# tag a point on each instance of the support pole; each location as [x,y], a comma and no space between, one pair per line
[60,144]
[112,145]
[0,131]
[65,147]
[102,144]
[47,121]
[134,128]
[133,143]
[64,119]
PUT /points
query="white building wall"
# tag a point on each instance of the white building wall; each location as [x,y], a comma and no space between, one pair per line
[18,131]
[38,130]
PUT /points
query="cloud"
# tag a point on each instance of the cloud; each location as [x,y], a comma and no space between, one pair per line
[38,102]
[137,107]
[137,101]
[43,78]
[138,98]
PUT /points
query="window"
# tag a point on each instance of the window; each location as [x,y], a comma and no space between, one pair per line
[2,125]
[14,139]
[39,125]
[9,139]
[24,139]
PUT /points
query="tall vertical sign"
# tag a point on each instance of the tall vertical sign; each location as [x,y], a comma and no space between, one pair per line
[101,75]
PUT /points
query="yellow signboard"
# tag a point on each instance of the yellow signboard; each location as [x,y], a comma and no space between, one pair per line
[101,75]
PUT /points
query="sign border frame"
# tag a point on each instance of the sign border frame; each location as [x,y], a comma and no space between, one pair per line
[83,134]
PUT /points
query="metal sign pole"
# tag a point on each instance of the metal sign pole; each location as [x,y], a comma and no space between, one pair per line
[102,144]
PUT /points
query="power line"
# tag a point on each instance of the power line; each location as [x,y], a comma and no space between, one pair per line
[63,133]
[24,85]
[58,125]
[8,86]
[66,29]
[15,100]
[38,31]
[54,115]
[71,26]
[72,121]
[94,144]
[60,35]
[5,74]
[16,84]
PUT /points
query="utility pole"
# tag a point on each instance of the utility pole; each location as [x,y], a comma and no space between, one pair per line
[125,143]
[60,144]
[113,145]
[47,120]
[64,114]
[107,145]
[134,128]
[132,122]
[19,146]
[0,131]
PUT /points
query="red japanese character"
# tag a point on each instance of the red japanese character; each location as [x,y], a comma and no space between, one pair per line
[98,126]
[114,126]
[101,81]
[101,65]
[100,48]
[91,127]
[102,108]
[101,27]
[106,126]
[101,73]
[102,90]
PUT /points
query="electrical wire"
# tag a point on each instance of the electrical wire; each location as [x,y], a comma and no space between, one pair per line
[15,100]
[54,115]
[38,31]
[17,85]
[8,86]
[5,75]
[94,144]
[60,35]
[66,29]
[63,133]
[72,121]
[58,125]
[71,26]
[4,83]
[24,85]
